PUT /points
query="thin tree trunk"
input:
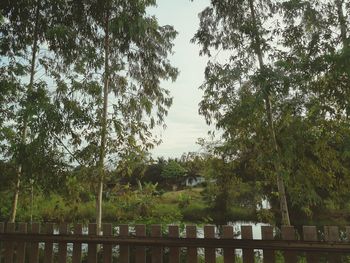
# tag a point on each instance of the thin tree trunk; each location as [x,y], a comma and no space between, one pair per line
[277,164]
[25,120]
[342,22]
[103,127]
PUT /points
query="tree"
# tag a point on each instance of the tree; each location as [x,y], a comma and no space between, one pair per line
[29,27]
[114,88]
[238,28]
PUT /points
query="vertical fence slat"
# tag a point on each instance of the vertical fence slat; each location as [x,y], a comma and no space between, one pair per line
[192,255]
[140,252]
[229,253]
[347,233]
[48,254]
[332,235]
[62,247]
[9,246]
[288,233]
[248,254]
[310,234]
[124,250]
[76,258]
[2,230]
[107,248]
[267,234]
[174,252]
[157,252]
[92,248]
[209,253]
[21,246]
[34,246]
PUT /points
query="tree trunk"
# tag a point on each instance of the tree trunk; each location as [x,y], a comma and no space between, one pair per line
[342,23]
[25,120]
[277,164]
[103,127]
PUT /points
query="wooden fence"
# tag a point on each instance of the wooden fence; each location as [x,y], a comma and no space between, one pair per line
[31,243]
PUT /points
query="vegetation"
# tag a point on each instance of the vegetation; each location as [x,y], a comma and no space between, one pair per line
[80,95]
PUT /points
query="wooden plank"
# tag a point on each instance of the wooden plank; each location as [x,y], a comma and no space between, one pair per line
[192,254]
[248,254]
[140,251]
[62,246]
[34,246]
[48,253]
[92,247]
[76,258]
[2,230]
[288,233]
[107,248]
[332,234]
[209,253]
[229,253]
[21,246]
[124,250]
[267,234]
[174,252]
[310,234]
[9,245]
[347,233]
[157,251]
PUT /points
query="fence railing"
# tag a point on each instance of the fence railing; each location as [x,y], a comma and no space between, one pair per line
[47,243]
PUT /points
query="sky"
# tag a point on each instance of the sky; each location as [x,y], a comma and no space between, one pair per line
[184,124]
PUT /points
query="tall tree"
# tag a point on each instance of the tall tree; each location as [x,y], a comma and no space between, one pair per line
[115,83]
[238,28]
[29,43]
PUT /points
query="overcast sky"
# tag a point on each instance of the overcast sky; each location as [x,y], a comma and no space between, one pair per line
[184,124]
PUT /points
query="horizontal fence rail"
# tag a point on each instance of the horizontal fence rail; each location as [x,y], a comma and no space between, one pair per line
[49,243]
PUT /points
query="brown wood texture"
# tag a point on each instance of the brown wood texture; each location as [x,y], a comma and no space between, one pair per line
[48,253]
[174,252]
[34,246]
[267,234]
[92,247]
[157,251]
[140,251]
[209,253]
[192,254]
[332,235]
[229,253]
[248,254]
[76,257]
[21,246]
[107,248]
[288,233]
[62,246]
[9,246]
[310,234]
[124,249]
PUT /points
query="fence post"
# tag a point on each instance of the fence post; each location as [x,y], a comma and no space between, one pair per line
[310,234]
[9,245]
[192,256]
[76,258]
[229,253]
[2,230]
[92,248]
[157,252]
[21,246]
[107,248]
[174,252]
[48,254]
[288,233]
[209,253]
[124,250]
[34,247]
[140,252]
[332,235]
[248,254]
[62,247]
[267,234]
